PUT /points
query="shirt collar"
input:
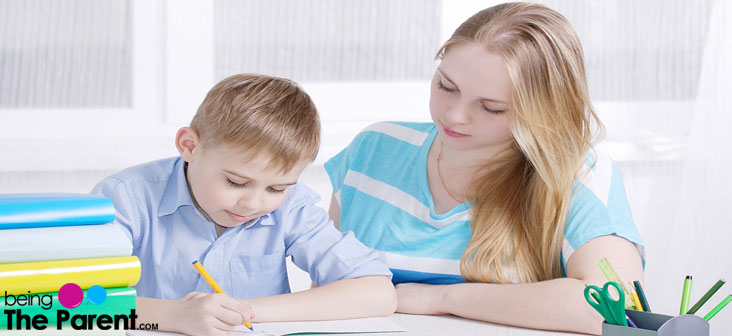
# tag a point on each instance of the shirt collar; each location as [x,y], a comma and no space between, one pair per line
[176,195]
[176,192]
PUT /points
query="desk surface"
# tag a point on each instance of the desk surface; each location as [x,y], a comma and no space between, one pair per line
[423,325]
[418,325]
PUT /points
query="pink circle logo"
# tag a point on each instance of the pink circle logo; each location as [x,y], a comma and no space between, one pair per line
[70,295]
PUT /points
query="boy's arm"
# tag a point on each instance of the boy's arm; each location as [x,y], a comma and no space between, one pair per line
[352,281]
[349,298]
[195,314]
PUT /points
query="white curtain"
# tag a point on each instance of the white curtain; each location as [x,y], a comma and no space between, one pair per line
[660,77]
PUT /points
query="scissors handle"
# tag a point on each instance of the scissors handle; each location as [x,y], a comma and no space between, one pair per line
[600,299]
[615,307]
[594,298]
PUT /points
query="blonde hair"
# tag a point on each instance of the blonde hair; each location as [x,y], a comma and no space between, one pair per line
[520,200]
[261,115]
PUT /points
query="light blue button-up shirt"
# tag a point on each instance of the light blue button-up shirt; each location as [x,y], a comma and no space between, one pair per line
[168,233]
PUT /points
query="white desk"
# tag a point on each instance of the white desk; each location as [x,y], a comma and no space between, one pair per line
[418,325]
[422,325]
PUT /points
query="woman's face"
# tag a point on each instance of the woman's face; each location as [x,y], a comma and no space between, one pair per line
[470,98]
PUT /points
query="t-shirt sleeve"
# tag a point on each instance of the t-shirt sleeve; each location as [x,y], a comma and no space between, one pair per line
[337,167]
[125,210]
[360,147]
[317,247]
[599,207]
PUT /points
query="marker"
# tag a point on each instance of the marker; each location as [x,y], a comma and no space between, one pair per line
[214,285]
[706,297]
[630,322]
[641,296]
[718,308]
[636,300]
[685,296]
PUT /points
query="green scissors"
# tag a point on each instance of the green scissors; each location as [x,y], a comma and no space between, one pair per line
[612,310]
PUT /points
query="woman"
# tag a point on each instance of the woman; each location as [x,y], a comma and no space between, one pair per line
[500,209]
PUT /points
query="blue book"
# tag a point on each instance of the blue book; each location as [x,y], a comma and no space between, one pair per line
[42,210]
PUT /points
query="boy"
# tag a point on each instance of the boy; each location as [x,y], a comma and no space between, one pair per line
[232,201]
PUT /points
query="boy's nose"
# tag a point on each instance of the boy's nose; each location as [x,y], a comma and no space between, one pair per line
[250,201]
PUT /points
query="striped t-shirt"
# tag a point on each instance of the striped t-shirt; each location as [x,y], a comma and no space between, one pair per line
[380,183]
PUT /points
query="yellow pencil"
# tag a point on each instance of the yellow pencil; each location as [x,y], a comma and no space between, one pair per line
[213,284]
[636,299]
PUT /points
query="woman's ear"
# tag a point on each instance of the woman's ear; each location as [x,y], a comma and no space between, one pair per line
[186,140]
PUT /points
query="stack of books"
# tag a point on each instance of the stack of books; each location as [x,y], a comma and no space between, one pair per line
[50,240]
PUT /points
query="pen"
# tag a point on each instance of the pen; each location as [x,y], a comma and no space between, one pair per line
[685,296]
[706,297]
[213,284]
[636,299]
[642,296]
[718,308]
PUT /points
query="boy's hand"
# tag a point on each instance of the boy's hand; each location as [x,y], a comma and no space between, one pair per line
[210,313]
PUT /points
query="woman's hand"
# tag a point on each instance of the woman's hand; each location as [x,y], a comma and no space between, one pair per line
[421,299]
[210,313]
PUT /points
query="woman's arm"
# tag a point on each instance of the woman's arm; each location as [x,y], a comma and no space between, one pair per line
[334,211]
[348,298]
[557,304]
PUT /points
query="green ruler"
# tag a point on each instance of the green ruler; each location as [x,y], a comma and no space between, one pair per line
[610,275]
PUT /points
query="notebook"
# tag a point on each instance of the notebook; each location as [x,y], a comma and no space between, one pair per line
[63,242]
[41,210]
[350,326]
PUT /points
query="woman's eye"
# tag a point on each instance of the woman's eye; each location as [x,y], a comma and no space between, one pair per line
[443,87]
[493,111]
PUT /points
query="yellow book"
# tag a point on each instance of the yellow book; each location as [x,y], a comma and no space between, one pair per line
[49,276]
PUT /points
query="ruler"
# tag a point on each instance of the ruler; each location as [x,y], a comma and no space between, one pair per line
[611,275]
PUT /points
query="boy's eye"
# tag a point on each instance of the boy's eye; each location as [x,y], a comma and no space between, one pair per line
[234,184]
[276,191]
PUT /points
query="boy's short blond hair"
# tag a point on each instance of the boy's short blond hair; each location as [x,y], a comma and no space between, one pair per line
[265,116]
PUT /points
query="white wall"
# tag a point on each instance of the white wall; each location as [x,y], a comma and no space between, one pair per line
[88,88]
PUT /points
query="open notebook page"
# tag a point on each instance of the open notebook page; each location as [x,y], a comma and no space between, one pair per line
[350,326]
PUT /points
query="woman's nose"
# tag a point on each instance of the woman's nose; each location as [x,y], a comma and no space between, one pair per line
[459,113]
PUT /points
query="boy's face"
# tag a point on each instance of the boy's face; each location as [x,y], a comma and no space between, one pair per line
[230,189]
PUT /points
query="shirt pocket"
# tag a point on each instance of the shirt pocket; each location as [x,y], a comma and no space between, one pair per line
[259,275]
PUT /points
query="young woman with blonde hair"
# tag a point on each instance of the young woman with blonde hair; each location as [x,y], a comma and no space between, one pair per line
[500,209]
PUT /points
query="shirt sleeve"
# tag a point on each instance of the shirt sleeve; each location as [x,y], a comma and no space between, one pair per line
[317,247]
[599,207]
[125,214]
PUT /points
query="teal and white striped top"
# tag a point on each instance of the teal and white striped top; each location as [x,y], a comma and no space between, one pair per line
[380,182]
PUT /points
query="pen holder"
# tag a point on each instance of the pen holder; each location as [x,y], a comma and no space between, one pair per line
[650,324]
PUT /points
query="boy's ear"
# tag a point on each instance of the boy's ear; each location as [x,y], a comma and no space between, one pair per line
[186,140]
